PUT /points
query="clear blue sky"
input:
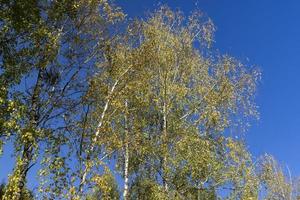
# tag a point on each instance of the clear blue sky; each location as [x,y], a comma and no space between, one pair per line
[268,33]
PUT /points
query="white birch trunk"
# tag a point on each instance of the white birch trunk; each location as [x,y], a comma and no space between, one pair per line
[165,134]
[85,171]
[126,156]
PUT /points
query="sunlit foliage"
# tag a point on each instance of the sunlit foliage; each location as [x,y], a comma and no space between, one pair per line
[93,98]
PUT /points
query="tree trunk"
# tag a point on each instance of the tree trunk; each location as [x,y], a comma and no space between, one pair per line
[99,126]
[126,156]
[165,134]
[28,148]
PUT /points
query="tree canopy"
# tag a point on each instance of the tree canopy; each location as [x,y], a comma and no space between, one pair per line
[112,108]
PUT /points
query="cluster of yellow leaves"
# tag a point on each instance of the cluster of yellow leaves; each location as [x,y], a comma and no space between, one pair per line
[12,190]
[272,176]
[105,184]
[240,171]
[110,11]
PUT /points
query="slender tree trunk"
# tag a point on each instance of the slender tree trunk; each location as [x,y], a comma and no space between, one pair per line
[97,133]
[28,148]
[85,171]
[165,134]
[126,152]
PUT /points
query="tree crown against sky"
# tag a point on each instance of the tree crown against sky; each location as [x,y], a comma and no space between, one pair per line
[107,107]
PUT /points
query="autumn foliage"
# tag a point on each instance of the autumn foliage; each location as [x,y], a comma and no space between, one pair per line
[105,107]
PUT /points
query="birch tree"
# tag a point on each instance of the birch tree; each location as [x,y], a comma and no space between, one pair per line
[194,98]
[148,100]
[46,47]
[181,99]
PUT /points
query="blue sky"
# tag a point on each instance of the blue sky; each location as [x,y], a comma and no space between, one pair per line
[266,32]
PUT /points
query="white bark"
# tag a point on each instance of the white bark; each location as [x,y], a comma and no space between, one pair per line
[165,134]
[126,156]
[85,171]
